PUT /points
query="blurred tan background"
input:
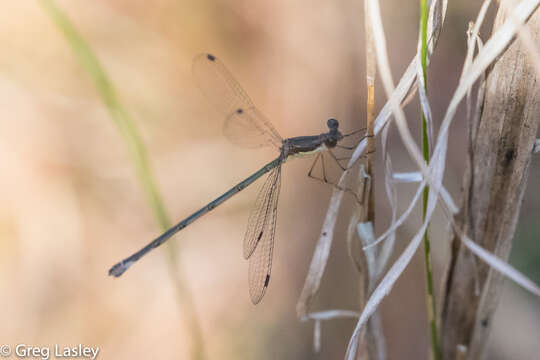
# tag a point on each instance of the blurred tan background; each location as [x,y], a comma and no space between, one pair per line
[71,204]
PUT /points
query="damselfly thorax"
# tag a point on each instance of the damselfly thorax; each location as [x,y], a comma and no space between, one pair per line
[308,145]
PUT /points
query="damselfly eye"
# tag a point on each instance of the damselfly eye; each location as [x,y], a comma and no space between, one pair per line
[332,124]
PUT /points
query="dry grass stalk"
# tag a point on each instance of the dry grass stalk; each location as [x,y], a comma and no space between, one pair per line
[502,140]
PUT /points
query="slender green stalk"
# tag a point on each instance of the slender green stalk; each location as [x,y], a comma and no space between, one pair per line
[138,153]
[430,295]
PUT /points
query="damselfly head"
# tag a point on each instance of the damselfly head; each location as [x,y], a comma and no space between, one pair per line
[333,135]
[333,124]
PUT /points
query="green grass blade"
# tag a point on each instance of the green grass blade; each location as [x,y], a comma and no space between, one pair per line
[119,115]
[430,295]
[138,153]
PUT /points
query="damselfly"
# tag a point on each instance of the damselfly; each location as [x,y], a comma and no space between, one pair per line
[246,125]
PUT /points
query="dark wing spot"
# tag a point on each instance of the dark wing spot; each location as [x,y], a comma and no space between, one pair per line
[239,111]
[260,236]
[267,280]
[484,322]
[211,57]
[324,233]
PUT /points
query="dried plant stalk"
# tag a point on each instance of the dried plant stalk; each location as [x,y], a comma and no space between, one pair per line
[502,139]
